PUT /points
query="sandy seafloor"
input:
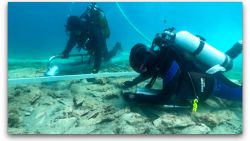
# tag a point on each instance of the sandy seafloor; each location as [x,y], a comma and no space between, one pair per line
[81,107]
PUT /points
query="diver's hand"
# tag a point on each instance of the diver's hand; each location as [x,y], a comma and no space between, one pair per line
[127,84]
[79,48]
[148,86]
[65,55]
[128,96]
[94,70]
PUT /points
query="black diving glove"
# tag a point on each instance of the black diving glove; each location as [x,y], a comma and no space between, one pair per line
[94,70]
[149,86]
[65,55]
[127,84]
[128,97]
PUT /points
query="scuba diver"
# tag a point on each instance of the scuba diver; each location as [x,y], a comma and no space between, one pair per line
[89,32]
[184,79]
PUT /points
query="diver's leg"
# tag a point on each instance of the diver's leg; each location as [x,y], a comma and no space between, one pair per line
[235,50]
[114,50]
[226,89]
[99,48]
[98,58]
[105,50]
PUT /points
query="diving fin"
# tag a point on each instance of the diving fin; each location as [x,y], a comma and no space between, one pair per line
[236,50]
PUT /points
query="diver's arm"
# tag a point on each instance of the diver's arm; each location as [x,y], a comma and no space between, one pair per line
[135,81]
[151,82]
[71,43]
[140,78]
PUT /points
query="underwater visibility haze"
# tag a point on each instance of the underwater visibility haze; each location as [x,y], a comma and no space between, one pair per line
[36,31]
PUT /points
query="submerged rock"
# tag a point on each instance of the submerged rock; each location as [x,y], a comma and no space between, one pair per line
[17,131]
[112,94]
[195,129]
[211,120]
[64,125]
[81,130]
[68,111]
[226,128]
[18,92]
[102,81]
[221,122]
[92,114]
[27,109]
[47,100]
[78,100]
[213,103]
[128,129]
[172,121]
[13,119]
[79,113]
[131,123]
[132,118]
[124,128]
[32,96]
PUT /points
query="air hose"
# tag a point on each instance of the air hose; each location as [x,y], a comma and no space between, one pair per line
[132,25]
[70,9]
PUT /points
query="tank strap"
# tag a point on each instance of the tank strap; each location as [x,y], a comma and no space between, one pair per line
[228,63]
[199,49]
[171,72]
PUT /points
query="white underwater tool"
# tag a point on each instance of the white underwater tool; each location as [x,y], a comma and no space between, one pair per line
[52,71]
[56,69]
[209,56]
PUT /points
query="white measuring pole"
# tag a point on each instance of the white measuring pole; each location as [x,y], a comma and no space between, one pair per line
[16,81]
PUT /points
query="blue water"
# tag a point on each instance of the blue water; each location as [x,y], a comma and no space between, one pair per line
[36,30]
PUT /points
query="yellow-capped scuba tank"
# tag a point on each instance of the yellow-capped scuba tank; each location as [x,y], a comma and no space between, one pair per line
[206,54]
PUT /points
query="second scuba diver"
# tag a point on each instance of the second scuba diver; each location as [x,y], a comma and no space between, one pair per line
[182,79]
[90,31]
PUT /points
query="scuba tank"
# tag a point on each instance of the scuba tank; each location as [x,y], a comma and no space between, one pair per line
[96,16]
[210,57]
[104,24]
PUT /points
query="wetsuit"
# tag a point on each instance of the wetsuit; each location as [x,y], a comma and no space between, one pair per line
[96,43]
[182,83]
[169,69]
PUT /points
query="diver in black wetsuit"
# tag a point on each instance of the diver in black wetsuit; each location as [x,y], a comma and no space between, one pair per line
[90,32]
[180,81]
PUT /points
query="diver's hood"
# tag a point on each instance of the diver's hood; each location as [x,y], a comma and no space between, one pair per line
[137,55]
[141,59]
